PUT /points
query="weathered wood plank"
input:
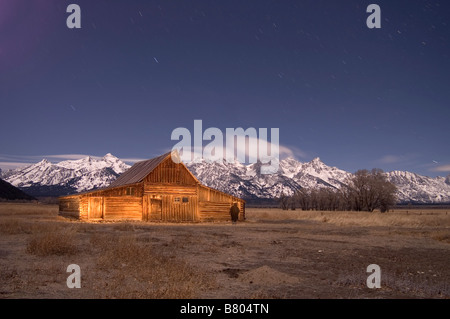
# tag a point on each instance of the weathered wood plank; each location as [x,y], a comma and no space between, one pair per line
[152,188]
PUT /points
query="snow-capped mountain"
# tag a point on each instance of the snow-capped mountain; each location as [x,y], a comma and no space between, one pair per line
[245,181]
[242,180]
[71,176]
[317,174]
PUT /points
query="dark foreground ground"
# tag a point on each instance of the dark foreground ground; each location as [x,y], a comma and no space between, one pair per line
[274,254]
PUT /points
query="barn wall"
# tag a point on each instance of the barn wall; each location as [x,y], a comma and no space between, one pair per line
[84,207]
[158,189]
[124,207]
[115,202]
[118,191]
[214,211]
[168,182]
[212,195]
[69,206]
[215,205]
[179,211]
[112,207]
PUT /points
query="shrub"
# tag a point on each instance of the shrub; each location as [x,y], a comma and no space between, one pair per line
[59,242]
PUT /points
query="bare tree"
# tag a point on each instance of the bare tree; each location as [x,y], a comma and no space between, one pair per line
[371,190]
[365,190]
[303,199]
[284,201]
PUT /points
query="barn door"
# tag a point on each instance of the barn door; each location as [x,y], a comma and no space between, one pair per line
[95,207]
[155,209]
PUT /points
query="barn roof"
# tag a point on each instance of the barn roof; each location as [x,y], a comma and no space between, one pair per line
[138,171]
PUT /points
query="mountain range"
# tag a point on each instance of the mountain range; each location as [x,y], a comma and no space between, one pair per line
[66,177]
[245,181]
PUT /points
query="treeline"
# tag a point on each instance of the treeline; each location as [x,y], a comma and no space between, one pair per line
[365,191]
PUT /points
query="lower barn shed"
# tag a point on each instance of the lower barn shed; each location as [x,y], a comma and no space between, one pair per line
[158,189]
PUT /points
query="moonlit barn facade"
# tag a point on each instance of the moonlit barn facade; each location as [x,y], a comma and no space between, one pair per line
[157,189]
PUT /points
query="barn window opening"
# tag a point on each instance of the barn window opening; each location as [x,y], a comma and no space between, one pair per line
[131,191]
[185,199]
[177,199]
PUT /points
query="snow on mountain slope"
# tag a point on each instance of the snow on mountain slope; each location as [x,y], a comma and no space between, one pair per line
[317,174]
[81,175]
[421,189]
[242,180]
[91,164]
[290,167]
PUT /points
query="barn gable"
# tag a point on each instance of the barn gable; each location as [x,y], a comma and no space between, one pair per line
[160,169]
[138,171]
[168,172]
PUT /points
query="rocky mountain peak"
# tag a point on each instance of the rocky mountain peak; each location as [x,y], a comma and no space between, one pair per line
[43,162]
[110,157]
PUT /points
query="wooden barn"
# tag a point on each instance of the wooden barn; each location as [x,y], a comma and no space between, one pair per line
[157,189]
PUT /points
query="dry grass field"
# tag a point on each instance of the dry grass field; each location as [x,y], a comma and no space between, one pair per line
[273,254]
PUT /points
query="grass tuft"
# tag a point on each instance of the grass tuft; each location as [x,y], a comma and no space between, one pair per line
[55,241]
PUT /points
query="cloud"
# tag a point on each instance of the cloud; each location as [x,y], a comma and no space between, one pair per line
[17,161]
[20,161]
[132,160]
[65,157]
[293,151]
[250,147]
[395,159]
[441,168]
[391,159]
[34,158]
[13,165]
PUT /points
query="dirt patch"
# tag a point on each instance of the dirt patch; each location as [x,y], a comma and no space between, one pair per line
[267,276]
[233,272]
